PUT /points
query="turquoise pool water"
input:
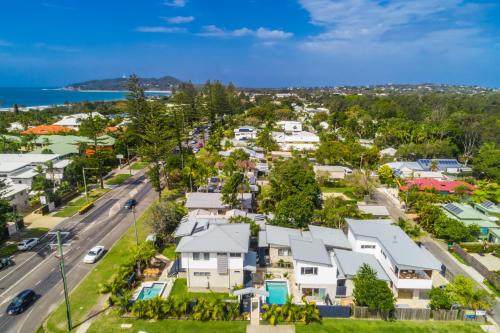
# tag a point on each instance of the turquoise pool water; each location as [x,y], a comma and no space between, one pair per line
[150,292]
[278,292]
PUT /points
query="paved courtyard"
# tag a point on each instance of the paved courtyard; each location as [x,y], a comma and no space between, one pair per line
[488,260]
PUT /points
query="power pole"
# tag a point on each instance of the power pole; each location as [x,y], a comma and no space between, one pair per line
[85,185]
[63,274]
[128,162]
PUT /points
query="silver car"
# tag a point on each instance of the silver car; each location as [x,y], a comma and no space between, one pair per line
[27,244]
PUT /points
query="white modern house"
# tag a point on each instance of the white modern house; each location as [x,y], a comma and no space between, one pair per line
[74,121]
[216,257]
[245,133]
[212,202]
[296,140]
[408,266]
[290,125]
[16,195]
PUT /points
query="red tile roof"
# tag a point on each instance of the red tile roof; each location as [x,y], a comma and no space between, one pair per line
[448,186]
[46,129]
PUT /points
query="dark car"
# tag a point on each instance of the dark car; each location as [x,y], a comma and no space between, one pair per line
[6,262]
[130,203]
[21,302]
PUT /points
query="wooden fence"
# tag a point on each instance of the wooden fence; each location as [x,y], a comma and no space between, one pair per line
[414,314]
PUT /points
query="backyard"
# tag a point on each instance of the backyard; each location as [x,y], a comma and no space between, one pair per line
[180,290]
[74,206]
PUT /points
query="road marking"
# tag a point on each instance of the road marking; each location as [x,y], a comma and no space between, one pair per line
[26,275]
[53,269]
[36,284]
[24,321]
[23,263]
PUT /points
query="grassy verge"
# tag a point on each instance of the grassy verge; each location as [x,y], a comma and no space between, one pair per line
[169,251]
[118,179]
[459,258]
[10,248]
[180,290]
[138,165]
[379,326]
[74,206]
[110,323]
[86,295]
[492,288]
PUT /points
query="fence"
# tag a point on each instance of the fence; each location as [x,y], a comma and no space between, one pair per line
[491,276]
[334,311]
[416,314]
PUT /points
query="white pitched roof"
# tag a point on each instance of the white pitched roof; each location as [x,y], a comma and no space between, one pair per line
[217,238]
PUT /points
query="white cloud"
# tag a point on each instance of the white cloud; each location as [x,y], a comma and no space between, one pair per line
[175,3]
[261,33]
[179,19]
[265,33]
[384,27]
[160,29]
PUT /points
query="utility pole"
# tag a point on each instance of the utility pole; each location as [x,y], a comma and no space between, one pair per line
[128,162]
[63,274]
[85,182]
[135,226]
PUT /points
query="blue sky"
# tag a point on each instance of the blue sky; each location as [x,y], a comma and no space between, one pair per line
[251,42]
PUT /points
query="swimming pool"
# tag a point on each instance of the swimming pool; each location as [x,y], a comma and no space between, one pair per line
[151,291]
[278,292]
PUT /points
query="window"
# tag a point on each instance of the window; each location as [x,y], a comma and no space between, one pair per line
[284,252]
[201,273]
[366,246]
[235,255]
[236,272]
[314,292]
[201,256]
[309,270]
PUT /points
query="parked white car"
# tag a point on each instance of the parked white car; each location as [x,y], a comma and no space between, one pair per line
[27,244]
[94,254]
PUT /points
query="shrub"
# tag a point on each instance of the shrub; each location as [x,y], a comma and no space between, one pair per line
[85,208]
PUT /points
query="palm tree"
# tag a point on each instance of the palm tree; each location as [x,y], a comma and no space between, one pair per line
[308,312]
[273,314]
[289,310]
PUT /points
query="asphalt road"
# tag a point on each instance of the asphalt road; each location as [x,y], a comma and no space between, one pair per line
[38,269]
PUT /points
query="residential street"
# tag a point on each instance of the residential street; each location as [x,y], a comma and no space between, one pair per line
[39,269]
[439,253]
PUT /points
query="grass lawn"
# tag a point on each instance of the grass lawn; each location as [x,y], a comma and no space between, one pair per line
[86,295]
[74,206]
[8,250]
[492,288]
[379,326]
[459,258]
[169,251]
[138,165]
[118,179]
[180,290]
[110,322]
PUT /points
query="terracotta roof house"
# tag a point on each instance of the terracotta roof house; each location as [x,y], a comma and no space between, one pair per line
[46,129]
[441,186]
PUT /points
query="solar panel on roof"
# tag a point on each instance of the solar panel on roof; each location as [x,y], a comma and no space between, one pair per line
[487,204]
[452,208]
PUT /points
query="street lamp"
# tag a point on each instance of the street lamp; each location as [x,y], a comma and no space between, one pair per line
[85,181]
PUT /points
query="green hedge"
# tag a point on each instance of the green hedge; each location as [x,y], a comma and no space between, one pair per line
[480,247]
[85,208]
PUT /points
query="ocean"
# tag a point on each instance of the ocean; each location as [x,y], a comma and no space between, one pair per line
[25,97]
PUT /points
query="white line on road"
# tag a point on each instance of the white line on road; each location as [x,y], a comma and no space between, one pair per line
[36,284]
[53,269]
[21,264]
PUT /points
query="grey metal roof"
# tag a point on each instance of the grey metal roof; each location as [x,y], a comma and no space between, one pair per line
[185,228]
[213,200]
[217,238]
[384,221]
[329,168]
[279,235]
[350,262]
[375,210]
[330,237]
[309,250]
[401,248]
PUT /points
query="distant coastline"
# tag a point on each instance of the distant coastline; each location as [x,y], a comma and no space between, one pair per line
[30,98]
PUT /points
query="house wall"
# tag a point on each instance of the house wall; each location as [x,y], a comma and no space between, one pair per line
[19,201]
[386,263]
[274,257]
[215,280]
[327,275]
